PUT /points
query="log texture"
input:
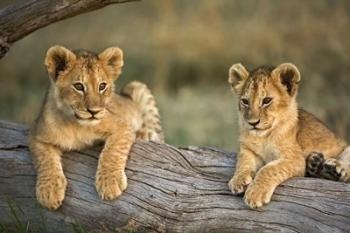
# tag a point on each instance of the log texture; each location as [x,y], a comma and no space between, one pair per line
[170,190]
[21,19]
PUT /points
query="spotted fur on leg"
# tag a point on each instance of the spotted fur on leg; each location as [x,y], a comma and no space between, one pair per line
[314,164]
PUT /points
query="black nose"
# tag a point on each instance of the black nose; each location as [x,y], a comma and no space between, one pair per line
[254,123]
[93,111]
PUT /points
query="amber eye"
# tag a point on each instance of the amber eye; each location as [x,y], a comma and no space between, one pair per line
[266,101]
[79,86]
[102,86]
[245,101]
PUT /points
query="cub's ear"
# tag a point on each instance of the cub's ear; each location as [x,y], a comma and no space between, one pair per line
[58,59]
[237,75]
[112,60]
[289,75]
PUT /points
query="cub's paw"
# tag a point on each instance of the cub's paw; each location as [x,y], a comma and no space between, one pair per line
[314,164]
[334,169]
[258,195]
[110,186]
[50,190]
[239,182]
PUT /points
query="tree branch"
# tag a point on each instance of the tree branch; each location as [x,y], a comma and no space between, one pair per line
[170,190]
[23,18]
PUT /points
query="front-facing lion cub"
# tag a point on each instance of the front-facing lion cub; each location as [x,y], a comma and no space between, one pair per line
[81,108]
[275,137]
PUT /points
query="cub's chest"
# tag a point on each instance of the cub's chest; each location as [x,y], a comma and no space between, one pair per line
[71,138]
[266,151]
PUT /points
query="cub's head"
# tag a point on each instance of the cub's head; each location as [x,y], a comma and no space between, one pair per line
[266,95]
[83,81]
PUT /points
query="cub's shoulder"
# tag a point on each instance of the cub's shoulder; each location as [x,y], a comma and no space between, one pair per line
[308,120]
[314,135]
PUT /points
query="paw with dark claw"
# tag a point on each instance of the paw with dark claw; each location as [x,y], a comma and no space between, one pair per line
[314,164]
[332,170]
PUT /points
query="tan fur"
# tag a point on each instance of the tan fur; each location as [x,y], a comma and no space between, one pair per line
[151,128]
[275,137]
[73,119]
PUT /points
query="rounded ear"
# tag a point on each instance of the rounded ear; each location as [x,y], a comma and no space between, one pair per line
[112,60]
[237,76]
[58,59]
[289,75]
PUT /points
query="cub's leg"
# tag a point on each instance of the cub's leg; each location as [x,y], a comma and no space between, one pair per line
[111,180]
[151,128]
[51,183]
[337,169]
[247,165]
[260,191]
[341,165]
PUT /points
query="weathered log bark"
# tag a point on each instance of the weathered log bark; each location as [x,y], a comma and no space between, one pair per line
[19,20]
[170,189]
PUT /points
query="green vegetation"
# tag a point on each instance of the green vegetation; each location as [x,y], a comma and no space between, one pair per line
[15,214]
[78,228]
[21,224]
[182,49]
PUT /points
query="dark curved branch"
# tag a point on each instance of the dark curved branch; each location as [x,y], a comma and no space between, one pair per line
[21,19]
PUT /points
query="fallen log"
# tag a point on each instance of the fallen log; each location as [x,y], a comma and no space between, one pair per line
[170,190]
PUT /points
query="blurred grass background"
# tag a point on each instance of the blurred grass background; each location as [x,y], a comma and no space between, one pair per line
[182,49]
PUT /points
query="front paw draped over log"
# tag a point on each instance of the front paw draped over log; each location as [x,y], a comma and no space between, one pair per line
[110,185]
[50,190]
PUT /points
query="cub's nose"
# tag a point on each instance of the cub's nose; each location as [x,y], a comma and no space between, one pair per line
[254,123]
[94,111]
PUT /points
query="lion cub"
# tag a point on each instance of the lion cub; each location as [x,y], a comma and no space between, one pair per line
[275,137]
[80,109]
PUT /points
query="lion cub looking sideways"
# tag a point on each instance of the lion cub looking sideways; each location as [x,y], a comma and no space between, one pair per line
[275,137]
[81,108]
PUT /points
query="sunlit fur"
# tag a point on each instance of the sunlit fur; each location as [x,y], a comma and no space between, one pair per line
[73,118]
[274,149]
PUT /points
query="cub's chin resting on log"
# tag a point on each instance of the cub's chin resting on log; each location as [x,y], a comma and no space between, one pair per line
[276,138]
[80,109]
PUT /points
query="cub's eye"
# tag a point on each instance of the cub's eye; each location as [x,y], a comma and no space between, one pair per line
[102,86]
[266,101]
[245,101]
[79,86]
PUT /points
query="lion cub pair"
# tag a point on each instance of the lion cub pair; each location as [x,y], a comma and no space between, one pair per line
[81,108]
